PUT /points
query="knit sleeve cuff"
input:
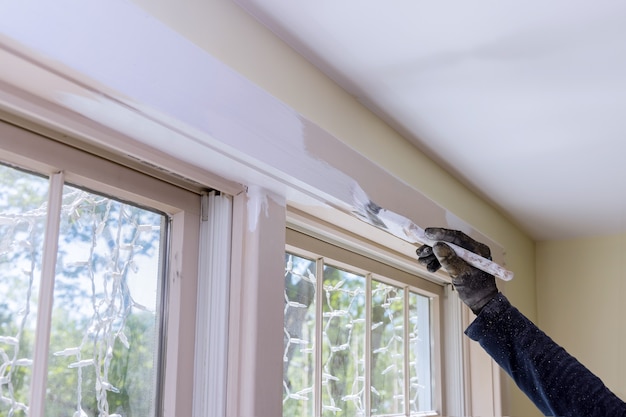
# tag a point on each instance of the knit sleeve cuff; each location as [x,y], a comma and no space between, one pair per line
[491,315]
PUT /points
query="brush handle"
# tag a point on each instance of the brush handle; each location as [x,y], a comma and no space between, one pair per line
[481,263]
[470,257]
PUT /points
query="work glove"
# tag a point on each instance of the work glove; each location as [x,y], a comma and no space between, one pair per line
[475,287]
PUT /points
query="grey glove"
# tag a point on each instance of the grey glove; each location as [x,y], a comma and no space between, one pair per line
[475,287]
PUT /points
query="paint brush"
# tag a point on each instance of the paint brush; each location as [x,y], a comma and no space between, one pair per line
[405,229]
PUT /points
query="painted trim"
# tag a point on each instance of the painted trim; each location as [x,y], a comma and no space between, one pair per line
[202,113]
[177,399]
[456,388]
[374,243]
[344,257]
[203,118]
[40,154]
[256,338]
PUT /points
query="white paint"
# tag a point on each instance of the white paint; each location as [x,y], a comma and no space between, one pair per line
[179,99]
[235,158]
[202,112]
[257,204]
[405,229]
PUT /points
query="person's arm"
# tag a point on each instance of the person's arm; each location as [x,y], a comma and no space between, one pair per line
[555,381]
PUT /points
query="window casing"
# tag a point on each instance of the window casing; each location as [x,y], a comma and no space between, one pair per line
[98,296]
[246,393]
[98,190]
[333,366]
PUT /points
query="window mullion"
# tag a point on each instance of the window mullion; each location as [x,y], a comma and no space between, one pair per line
[368,346]
[407,370]
[46,296]
[319,336]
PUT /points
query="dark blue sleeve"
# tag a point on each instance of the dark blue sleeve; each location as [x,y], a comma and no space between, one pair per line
[554,380]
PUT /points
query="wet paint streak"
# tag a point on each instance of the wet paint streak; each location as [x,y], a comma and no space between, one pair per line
[405,229]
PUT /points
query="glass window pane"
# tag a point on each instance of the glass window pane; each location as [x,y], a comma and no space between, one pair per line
[23,198]
[372,308]
[420,354]
[343,347]
[299,330]
[387,373]
[104,337]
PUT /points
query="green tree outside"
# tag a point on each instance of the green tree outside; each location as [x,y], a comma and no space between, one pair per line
[130,362]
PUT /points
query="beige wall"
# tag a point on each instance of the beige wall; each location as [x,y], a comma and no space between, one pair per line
[581,290]
[235,38]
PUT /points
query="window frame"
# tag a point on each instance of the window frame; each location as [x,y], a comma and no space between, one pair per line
[254,254]
[41,155]
[312,245]
[114,119]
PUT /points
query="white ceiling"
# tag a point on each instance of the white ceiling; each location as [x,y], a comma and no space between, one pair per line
[523,101]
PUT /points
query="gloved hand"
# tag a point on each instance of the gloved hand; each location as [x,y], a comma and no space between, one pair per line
[475,287]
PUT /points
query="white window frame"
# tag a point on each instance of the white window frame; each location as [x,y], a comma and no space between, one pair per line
[304,245]
[462,361]
[460,392]
[254,383]
[213,306]
[30,151]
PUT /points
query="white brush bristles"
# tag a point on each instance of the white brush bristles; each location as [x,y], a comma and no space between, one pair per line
[360,200]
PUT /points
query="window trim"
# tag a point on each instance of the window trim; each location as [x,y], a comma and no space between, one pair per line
[457,352]
[310,197]
[256,308]
[348,232]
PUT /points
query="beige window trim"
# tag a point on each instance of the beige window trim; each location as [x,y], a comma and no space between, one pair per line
[108,114]
[350,232]
[40,154]
[343,251]
[255,357]
[471,383]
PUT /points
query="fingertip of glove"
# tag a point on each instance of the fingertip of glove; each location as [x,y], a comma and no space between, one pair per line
[440,249]
[433,266]
[424,250]
[432,232]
